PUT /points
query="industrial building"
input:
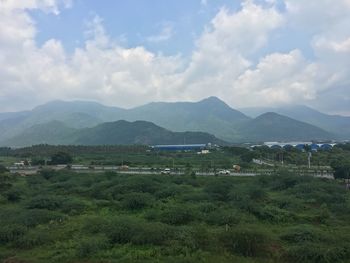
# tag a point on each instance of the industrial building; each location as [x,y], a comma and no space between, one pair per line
[179,147]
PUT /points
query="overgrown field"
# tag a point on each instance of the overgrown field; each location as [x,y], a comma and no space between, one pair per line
[69,217]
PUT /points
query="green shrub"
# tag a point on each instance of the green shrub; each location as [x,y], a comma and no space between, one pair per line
[188,239]
[3,169]
[256,193]
[316,253]
[222,217]
[248,242]
[301,234]
[89,246]
[13,195]
[32,239]
[73,206]
[177,215]
[195,197]
[96,224]
[34,217]
[48,202]
[11,232]
[219,189]
[135,201]
[47,173]
[121,230]
[143,184]
[272,214]
[169,191]
[151,233]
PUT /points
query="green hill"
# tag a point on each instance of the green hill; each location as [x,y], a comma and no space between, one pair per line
[339,125]
[110,133]
[210,115]
[139,132]
[53,132]
[274,127]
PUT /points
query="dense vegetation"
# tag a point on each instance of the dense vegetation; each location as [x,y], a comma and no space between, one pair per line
[224,157]
[68,217]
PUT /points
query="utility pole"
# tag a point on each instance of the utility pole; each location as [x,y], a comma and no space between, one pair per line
[282,158]
[309,159]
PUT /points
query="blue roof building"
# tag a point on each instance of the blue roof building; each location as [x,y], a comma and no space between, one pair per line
[179,147]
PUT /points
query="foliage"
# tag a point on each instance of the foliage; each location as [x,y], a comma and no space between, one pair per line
[246,241]
[61,158]
[62,216]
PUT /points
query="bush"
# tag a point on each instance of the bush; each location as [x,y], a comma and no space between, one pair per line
[177,215]
[13,195]
[151,233]
[32,239]
[73,206]
[222,217]
[218,189]
[272,214]
[189,239]
[61,158]
[3,169]
[256,193]
[169,191]
[301,234]
[31,218]
[121,230]
[316,253]
[248,242]
[45,202]
[135,201]
[91,245]
[47,173]
[143,184]
[11,232]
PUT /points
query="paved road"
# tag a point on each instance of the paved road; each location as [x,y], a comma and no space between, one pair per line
[133,170]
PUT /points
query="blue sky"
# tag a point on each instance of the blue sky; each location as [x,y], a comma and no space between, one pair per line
[127,53]
[133,21]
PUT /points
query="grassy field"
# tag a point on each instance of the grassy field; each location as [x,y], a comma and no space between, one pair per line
[68,217]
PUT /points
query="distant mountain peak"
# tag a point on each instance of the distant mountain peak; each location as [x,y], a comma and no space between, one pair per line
[212,100]
[271,114]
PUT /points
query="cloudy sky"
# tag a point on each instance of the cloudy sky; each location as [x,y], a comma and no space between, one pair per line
[127,53]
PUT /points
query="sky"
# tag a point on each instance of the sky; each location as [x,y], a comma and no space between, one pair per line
[249,53]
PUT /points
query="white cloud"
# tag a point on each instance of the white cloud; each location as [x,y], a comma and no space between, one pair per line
[222,63]
[165,34]
[222,52]
[279,78]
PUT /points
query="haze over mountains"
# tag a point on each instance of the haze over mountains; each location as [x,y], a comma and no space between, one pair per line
[80,122]
[336,124]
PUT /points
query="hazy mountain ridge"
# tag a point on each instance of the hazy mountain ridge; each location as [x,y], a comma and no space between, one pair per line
[336,124]
[275,127]
[109,133]
[210,115]
[140,132]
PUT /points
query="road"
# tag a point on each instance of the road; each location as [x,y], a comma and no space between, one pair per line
[143,171]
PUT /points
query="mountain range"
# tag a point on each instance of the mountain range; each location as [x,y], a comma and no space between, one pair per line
[108,133]
[336,124]
[211,120]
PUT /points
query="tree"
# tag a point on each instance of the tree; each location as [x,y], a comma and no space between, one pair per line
[249,156]
[341,169]
[5,182]
[61,158]
[3,169]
